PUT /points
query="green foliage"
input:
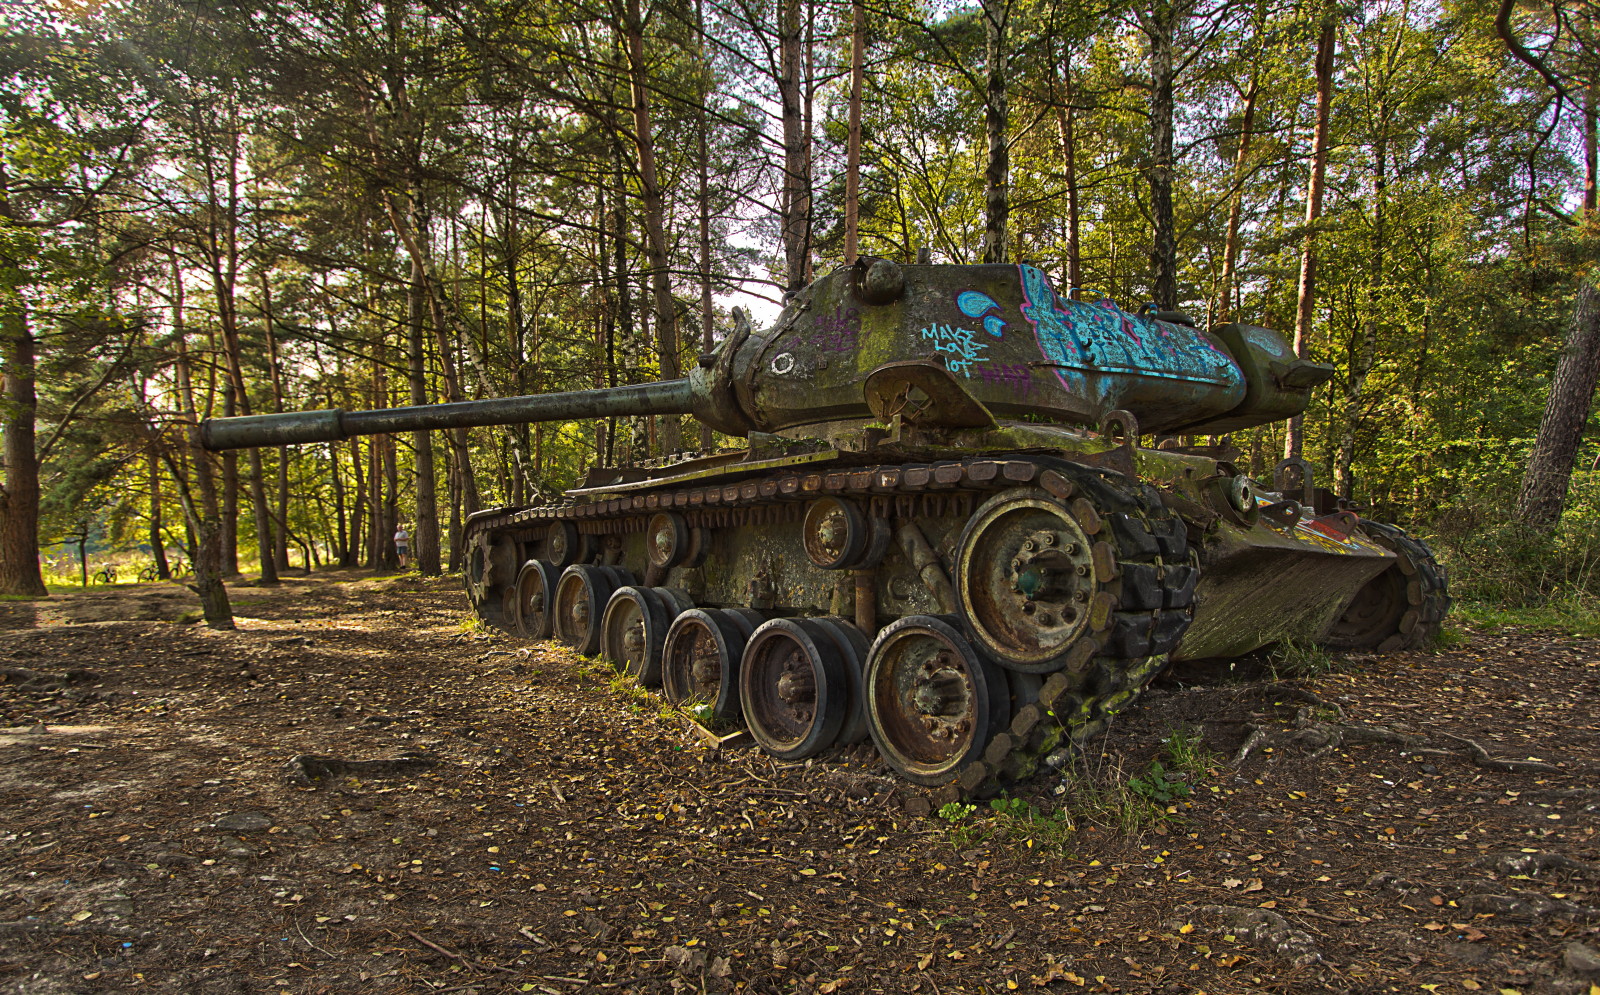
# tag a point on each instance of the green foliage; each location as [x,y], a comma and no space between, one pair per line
[1495,560]
[1296,658]
[1159,786]
[956,811]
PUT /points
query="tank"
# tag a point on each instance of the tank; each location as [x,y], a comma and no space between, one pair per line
[942,533]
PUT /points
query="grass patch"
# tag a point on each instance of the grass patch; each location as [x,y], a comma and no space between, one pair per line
[1109,798]
[1293,659]
[1572,616]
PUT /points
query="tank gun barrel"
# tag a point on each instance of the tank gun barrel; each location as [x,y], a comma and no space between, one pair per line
[666,397]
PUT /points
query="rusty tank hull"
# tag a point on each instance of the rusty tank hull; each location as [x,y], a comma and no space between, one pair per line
[943,534]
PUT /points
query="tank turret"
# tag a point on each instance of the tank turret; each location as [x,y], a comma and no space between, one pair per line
[961,549]
[947,347]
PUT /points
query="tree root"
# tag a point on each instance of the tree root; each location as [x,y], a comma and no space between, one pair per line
[1321,736]
[309,770]
[1266,930]
[22,677]
[1493,898]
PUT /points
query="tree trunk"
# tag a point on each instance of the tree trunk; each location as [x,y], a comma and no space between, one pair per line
[1544,485]
[795,198]
[852,171]
[229,538]
[341,536]
[425,530]
[19,494]
[997,173]
[703,195]
[1164,245]
[280,550]
[158,546]
[1363,352]
[203,518]
[1294,441]
[1067,125]
[1230,246]
[1591,115]
[666,309]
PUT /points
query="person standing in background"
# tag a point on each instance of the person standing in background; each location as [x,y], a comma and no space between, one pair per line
[402,544]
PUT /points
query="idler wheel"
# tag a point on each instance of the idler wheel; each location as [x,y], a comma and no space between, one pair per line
[581,594]
[633,630]
[933,703]
[1026,579]
[700,661]
[792,689]
[531,606]
[1401,608]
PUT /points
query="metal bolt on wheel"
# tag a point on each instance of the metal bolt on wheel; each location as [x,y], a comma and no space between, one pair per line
[531,607]
[933,703]
[792,689]
[580,600]
[634,630]
[700,660]
[1025,579]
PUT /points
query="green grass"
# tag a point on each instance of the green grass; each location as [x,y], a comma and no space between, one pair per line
[1569,616]
[1294,658]
[1107,798]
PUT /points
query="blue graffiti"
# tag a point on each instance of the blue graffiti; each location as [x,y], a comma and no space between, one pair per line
[1102,336]
[959,346]
[977,304]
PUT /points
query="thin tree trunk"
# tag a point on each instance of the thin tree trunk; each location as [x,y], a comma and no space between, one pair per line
[1230,246]
[19,494]
[1164,246]
[794,200]
[425,530]
[341,536]
[158,546]
[1544,485]
[1067,125]
[1294,441]
[666,309]
[1364,350]
[997,173]
[703,196]
[281,545]
[204,519]
[852,173]
[1591,114]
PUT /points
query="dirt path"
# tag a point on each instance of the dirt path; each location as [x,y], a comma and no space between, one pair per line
[563,836]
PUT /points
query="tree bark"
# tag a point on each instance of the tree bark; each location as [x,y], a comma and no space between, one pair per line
[1544,485]
[1067,126]
[19,494]
[1591,115]
[203,517]
[666,309]
[997,173]
[852,171]
[703,196]
[1164,246]
[1294,440]
[158,546]
[425,530]
[1230,245]
[795,198]
[280,551]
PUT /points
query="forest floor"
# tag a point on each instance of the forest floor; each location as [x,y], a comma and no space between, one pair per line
[561,835]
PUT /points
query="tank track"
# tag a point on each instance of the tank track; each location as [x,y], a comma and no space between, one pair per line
[1417,577]
[1138,618]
